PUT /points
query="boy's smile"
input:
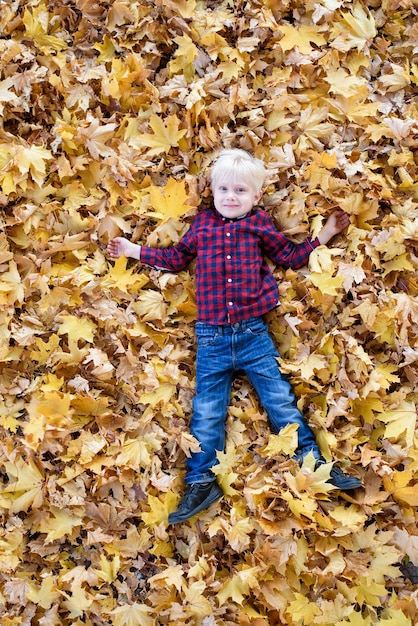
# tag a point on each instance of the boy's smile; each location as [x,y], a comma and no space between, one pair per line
[234,197]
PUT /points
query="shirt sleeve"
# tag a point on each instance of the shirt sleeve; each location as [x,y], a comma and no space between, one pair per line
[173,258]
[284,252]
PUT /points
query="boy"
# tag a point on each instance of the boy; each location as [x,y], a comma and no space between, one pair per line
[234,289]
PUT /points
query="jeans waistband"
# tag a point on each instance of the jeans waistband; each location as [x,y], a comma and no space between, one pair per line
[236,327]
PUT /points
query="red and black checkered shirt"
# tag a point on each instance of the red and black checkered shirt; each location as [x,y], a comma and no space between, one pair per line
[233,279]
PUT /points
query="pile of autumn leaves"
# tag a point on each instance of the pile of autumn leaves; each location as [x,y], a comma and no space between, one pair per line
[112,112]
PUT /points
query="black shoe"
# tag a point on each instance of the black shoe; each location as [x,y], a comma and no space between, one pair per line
[197,497]
[341,480]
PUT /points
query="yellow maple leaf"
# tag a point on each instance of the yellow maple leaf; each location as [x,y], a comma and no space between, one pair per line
[59,524]
[239,586]
[74,356]
[36,27]
[408,183]
[77,328]
[369,592]
[223,469]
[355,110]
[132,615]
[163,395]
[401,263]
[302,610]
[159,509]
[184,56]
[327,283]
[119,14]
[355,619]
[321,259]
[109,569]
[87,447]
[314,128]
[11,284]
[25,488]
[197,605]
[401,422]
[232,68]
[309,480]
[285,442]
[398,79]
[239,533]
[137,452]
[45,594]
[166,135]
[352,518]
[78,602]
[355,29]
[32,160]
[151,306]
[95,136]
[342,83]
[47,411]
[311,365]
[122,278]
[51,383]
[303,506]
[395,617]
[173,575]
[300,37]
[186,8]
[106,49]
[171,201]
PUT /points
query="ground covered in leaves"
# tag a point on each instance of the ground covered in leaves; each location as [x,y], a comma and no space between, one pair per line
[111,113]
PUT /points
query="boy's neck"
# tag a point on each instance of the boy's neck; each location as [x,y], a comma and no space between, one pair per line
[235,219]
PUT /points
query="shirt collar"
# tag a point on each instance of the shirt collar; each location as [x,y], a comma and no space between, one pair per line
[234,219]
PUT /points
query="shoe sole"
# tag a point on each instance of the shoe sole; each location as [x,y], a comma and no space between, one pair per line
[172,519]
[348,487]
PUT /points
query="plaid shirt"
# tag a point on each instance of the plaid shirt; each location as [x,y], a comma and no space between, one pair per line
[233,279]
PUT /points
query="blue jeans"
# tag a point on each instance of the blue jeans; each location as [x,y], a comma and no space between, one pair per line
[222,351]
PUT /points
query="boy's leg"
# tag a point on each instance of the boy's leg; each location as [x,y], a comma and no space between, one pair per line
[210,405]
[259,361]
[214,376]
[258,357]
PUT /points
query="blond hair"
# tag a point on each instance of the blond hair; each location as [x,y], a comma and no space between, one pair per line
[238,164]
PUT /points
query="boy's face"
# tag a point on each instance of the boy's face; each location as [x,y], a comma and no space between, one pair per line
[234,197]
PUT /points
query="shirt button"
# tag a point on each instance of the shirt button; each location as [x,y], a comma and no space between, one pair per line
[230,280]
[230,303]
[228,234]
[228,257]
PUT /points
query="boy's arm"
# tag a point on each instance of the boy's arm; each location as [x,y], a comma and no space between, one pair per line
[119,245]
[336,222]
[281,250]
[172,259]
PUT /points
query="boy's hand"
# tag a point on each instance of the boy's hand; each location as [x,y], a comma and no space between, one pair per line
[119,245]
[336,222]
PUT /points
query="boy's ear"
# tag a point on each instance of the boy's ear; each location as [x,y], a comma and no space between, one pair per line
[258,196]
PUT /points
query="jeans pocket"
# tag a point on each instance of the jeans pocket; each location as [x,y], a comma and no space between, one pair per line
[257,328]
[206,339]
